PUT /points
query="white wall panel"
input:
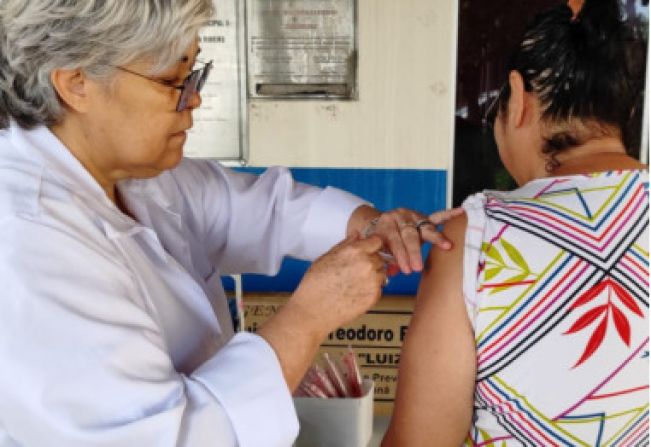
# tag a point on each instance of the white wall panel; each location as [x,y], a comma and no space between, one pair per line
[404,115]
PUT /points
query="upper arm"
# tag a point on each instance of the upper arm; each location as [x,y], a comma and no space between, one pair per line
[434,398]
[247,223]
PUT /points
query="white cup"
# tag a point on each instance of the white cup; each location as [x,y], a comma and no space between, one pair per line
[336,422]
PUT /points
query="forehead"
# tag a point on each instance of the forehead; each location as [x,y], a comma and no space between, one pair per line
[150,65]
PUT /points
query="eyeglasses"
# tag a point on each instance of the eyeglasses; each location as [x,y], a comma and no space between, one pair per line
[490,114]
[192,84]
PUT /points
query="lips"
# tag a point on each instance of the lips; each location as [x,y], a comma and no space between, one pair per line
[184,130]
[181,133]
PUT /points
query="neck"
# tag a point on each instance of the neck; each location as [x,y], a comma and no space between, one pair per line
[601,154]
[78,144]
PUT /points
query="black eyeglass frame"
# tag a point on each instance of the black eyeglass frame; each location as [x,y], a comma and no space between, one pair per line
[192,84]
[490,113]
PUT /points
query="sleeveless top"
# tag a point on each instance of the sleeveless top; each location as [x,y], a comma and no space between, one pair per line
[556,283]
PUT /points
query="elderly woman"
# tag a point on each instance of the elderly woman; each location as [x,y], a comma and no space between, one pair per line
[114,327]
[539,321]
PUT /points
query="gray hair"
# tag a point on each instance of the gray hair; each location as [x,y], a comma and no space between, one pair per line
[38,36]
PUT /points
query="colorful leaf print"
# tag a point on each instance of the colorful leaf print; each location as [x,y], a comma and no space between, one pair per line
[515,255]
[587,318]
[492,253]
[625,297]
[590,294]
[491,273]
[622,325]
[494,265]
[595,341]
[584,327]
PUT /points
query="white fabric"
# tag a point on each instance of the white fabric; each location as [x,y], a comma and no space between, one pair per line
[476,218]
[115,332]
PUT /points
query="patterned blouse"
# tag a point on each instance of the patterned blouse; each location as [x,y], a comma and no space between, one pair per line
[556,282]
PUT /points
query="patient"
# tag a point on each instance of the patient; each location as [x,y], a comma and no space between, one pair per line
[535,330]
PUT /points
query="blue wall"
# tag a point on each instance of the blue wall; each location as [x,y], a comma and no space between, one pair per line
[423,190]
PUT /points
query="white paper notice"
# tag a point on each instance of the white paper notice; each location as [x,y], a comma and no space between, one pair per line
[219,122]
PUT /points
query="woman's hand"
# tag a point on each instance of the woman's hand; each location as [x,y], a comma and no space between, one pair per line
[343,283]
[403,231]
[339,286]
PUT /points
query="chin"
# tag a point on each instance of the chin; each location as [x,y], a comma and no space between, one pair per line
[170,161]
[173,157]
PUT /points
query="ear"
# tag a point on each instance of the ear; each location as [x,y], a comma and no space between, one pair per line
[72,86]
[517,110]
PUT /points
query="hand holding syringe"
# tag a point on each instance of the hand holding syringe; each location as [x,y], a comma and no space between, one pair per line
[403,232]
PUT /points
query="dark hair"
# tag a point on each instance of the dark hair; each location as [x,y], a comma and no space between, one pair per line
[579,70]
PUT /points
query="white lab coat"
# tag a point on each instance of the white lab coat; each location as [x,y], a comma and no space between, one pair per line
[115,332]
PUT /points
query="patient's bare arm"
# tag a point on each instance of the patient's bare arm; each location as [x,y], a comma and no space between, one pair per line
[434,398]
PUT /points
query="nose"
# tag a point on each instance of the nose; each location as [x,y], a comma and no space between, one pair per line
[195,101]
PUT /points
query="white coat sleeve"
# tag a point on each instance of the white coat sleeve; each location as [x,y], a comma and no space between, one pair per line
[85,364]
[249,223]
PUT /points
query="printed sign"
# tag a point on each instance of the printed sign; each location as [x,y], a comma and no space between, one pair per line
[220,121]
[301,48]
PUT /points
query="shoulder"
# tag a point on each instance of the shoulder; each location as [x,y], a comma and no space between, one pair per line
[29,245]
[20,183]
[447,263]
[455,231]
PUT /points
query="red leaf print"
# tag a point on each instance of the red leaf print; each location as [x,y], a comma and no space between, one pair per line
[590,294]
[622,325]
[587,318]
[595,341]
[626,298]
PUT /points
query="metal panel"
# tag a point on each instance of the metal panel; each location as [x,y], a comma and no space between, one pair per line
[301,48]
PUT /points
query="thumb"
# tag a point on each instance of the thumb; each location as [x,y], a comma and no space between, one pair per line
[351,238]
[443,216]
[371,244]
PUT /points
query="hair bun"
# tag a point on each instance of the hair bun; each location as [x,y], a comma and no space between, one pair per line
[601,20]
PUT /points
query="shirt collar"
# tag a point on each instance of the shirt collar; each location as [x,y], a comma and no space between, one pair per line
[43,148]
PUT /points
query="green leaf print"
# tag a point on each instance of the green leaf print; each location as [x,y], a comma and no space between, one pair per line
[491,273]
[492,252]
[515,255]
[486,437]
